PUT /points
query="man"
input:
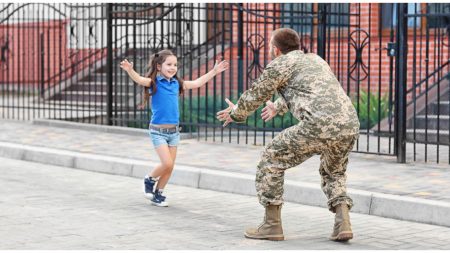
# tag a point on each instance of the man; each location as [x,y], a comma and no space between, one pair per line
[328,125]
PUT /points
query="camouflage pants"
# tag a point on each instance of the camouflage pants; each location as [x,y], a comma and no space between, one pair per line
[289,149]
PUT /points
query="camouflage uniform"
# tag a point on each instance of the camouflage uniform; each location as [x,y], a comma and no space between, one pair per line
[328,125]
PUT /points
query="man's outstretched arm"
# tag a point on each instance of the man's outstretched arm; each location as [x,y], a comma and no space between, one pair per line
[261,91]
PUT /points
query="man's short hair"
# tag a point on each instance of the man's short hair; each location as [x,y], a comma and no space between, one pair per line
[286,39]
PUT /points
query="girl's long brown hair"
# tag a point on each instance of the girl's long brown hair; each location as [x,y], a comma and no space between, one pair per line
[158,58]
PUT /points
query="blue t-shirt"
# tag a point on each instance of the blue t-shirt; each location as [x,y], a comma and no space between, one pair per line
[165,101]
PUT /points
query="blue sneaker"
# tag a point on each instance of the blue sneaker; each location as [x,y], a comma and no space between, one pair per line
[159,200]
[149,184]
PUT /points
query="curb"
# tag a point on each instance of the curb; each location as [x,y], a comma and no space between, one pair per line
[99,128]
[378,204]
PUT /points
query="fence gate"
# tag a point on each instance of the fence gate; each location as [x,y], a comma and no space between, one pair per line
[61,61]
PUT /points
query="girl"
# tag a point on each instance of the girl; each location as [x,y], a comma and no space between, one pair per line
[165,87]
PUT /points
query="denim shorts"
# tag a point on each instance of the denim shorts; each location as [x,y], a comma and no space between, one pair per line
[158,138]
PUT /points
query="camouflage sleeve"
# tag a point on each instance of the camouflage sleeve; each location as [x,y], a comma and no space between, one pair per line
[262,90]
[280,106]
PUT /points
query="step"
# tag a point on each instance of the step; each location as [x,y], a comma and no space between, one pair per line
[83,104]
[442,108]
[429,136]
[102,77]
[86,86]
[94,96]
[430,122]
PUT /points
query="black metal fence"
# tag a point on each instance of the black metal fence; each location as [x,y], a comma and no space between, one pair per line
[60,61]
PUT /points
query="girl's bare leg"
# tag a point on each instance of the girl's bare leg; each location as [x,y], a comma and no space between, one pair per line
[165,176]
[166,164]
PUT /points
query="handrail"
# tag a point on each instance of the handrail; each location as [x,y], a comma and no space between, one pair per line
[155,19]
[203,44]
[425,79]
[428,77]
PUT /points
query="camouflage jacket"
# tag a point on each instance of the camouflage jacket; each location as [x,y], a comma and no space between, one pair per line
[309,89]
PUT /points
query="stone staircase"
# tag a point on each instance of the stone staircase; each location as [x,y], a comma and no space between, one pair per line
[432,123]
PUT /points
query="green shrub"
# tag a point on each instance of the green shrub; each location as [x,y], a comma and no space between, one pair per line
[371,110]
[203,110]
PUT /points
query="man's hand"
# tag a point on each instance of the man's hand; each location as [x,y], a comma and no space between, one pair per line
[224,115]
[269,111]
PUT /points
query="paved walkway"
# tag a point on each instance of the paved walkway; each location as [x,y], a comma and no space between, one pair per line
[365,172]
[47,207]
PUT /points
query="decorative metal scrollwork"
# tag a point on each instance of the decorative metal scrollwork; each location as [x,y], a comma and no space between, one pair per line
[255,43]
[5,51]
[168,41]
[92,36]
[361,41]
[154,43]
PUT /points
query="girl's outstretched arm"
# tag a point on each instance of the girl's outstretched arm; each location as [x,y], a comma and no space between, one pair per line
[218,68]
[128,67]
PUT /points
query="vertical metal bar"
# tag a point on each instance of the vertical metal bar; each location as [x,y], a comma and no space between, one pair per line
[48,72]
[222,50]
[329,20]
[358,82]
[265,63]
[414,71]
[199,28]
[368,79]
[19,83]
[109,64]
[127,87]
[427,65]
[380,36]
[57,65]
[322,30]
[439,55]
[401,79]
[42,62]
[391,80]
[231,63]
[214,60]
[240,55]
[206,69]
[178,26]
[250,23]
[65,66]
[191,60]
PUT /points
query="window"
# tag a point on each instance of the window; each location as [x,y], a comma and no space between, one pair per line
[298,17]
[301,17]
[389,15]
[443,20]
[338,15]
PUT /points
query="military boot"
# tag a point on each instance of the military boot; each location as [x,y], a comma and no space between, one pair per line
[271,228]
[342,228]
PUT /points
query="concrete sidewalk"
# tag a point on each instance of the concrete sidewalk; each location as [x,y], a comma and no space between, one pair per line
[69,209]
[378,185]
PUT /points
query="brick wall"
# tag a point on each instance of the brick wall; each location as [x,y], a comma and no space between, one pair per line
[21,63]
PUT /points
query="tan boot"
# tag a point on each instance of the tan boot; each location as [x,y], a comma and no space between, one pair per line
[342,228]
[271,228]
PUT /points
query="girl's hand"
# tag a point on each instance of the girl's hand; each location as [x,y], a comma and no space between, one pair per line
[126,65]
[220,67]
